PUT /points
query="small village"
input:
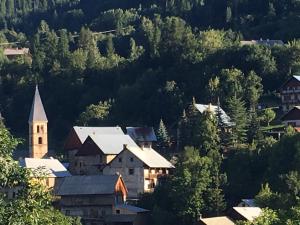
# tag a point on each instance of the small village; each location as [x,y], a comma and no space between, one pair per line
[108,169]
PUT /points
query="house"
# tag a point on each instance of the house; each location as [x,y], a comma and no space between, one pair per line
[268,43]
[141,169]
[221,220]
[292,118]
[245,213]
[290,93]
[77,136]
[13,53]
[97,151]
[247,203]
[128,214]
[214,109]
[92,197]
[143,136]
[51,169]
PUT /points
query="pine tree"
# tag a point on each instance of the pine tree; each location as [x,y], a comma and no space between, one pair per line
[238,114]
[162,135]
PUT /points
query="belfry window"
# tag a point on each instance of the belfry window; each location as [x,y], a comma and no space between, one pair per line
[40,140]
[38,129]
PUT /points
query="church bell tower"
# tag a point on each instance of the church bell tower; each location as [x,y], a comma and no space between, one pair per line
[38,137]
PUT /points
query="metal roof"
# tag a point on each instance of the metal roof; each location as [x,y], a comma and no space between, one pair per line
[150,157]
[214,108]
[131,208]
[141,133]
[88,185]
[15,51]
[51,167]
[112,144]
[221,220]
[37,112]
[84,132]
[297,77]
[249,213]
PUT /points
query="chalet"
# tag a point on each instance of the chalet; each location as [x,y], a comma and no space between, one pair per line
[245,213]
[214,109]
[143,136]
[13,53]
[292,117]
[77,136]
[267,42]
[97,151]
[141,169]
[247,203]
[51,169]
[92,197]
[290,93]
[221,220]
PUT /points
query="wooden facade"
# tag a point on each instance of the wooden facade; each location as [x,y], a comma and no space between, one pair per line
[292,117]
[290,93]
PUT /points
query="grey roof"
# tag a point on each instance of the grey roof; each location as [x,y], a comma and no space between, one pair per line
[249,202]
[221,220]
[297,77]
[249,213]
[131,208]
[150,157]
[112,144]
[141,133]
[51,167]
[214,108]
[84,132]
[37,112]
[88,185]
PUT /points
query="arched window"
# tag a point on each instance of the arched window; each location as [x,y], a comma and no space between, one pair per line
[42,128]
[38,129]
[40,140]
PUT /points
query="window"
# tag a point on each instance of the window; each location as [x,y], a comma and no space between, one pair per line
[120,160]
[38,129]
[118,211]
[131,159]
[40,140]
[131,171]
[42,128]
[67,212]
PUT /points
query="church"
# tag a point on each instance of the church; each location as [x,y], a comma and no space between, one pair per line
[39,161]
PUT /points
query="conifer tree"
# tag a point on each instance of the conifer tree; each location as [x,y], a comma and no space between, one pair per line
[162,135]
[238,114]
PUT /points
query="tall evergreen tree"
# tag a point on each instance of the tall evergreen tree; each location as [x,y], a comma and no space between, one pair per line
[238,114]
[162,135]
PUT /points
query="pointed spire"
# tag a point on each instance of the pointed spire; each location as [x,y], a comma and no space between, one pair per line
[37,112]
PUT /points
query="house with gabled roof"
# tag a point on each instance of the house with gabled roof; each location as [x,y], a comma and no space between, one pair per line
[245,213]
[220,220]
[290,93]
[50,169]
[292,118]
[78,135]
[97,151]
[143,136]
[141,169]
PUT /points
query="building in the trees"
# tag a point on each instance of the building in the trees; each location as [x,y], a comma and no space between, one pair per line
[92,197]
[290,93]
[245,213]
[247,203]
[268,43]
[38,137]
[214,109]
[143,136]
[292,118]
[141,169]
[49,169]
[97,151]
[220,220]
[78,135]
[13,53]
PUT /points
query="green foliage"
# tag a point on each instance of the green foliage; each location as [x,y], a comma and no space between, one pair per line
[162,135]
[268,116]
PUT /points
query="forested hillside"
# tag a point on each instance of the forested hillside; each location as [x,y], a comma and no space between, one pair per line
[154,58]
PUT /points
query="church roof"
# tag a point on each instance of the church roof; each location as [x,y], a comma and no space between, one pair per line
[51,167]
[37,112]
